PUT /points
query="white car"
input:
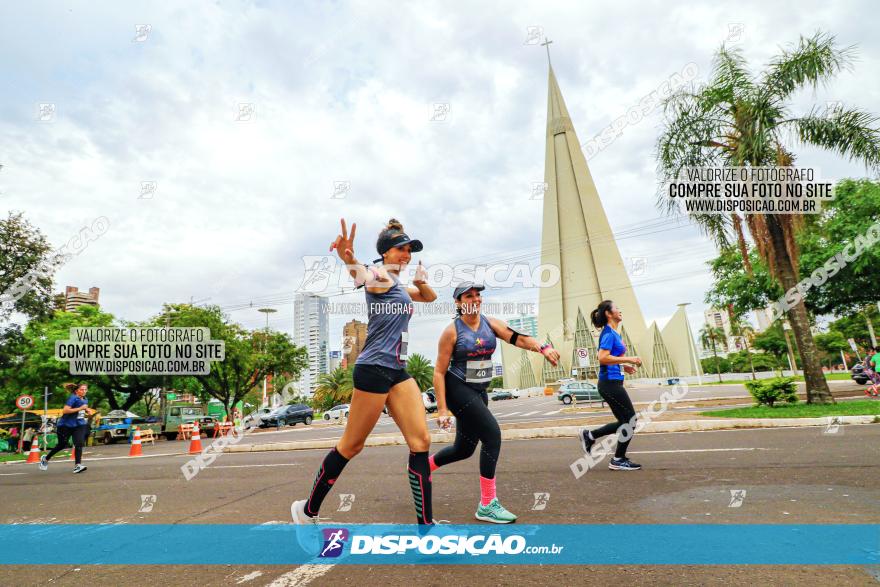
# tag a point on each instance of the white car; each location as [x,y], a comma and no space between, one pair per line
[255,418]
[337,412]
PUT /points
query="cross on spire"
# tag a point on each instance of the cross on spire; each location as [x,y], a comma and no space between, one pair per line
[546,44]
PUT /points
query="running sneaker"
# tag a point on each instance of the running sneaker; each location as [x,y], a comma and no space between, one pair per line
[79,468]
[623,464]
[309,536]
[586,442]
[44,464]
[494,512]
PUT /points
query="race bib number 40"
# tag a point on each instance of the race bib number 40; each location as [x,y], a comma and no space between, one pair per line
[478,371]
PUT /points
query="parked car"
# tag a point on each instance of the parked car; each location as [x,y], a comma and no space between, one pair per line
[255,418]
[288,415]
[117,425]
[578,391]
[337,412]
[430,400]
[186,413]
[858,374]
[500,394]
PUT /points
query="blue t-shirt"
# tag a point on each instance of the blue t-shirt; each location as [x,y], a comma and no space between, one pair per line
[610,341]
[77,419]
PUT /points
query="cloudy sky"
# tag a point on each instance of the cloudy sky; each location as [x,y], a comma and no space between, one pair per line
[245,116]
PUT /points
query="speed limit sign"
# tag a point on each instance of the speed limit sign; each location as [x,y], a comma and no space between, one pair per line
[24,402]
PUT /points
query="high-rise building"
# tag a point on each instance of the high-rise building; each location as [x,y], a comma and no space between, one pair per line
[311,329]
[716,318]
[525,324]
[354,335]
[72,298]
[335,360]
[576,237]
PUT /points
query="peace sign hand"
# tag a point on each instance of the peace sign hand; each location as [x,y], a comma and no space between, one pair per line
[344,244]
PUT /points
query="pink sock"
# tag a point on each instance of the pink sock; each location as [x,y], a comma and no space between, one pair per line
[434,466]
[487,490]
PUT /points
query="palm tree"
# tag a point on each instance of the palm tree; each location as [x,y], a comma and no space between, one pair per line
[708,335]
[737,119]
[334,388]
[742,329]
[422,371]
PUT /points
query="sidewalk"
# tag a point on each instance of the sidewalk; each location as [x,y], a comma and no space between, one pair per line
[571,429]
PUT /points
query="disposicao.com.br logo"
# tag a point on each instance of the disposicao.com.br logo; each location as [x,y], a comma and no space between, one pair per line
[441,543]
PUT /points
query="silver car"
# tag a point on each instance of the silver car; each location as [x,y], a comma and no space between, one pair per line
[581,391]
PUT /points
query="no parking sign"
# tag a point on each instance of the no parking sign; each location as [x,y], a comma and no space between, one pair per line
[24,402]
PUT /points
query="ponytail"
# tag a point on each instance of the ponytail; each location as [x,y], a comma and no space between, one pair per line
[598,317]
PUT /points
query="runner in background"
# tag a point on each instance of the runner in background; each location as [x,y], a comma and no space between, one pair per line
[608,317]
[72,424]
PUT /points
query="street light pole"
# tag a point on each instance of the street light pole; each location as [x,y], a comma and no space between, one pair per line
[266,311]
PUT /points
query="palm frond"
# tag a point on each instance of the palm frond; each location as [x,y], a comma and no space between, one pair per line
[814,61]
[850,132]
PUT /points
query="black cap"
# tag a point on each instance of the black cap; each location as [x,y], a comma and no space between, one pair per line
[464,286]
[397,240]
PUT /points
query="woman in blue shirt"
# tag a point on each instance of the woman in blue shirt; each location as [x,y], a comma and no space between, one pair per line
[72,424]
[608,317]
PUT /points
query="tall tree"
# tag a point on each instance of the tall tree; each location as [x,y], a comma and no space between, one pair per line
[738,119]
[27,264]
[249,355]
[712,336]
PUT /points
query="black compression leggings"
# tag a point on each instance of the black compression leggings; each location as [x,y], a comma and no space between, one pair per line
[473,423]
[65,433]
[614,394]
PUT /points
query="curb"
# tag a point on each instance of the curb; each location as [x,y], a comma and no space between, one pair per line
[572,431]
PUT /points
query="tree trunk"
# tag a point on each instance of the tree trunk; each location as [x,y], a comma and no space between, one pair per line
[816,384]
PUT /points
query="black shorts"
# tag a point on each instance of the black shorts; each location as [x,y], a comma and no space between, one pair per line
[376,378]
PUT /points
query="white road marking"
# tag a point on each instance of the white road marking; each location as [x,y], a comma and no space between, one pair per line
[244,466]
[506,415]
[249,577]
[11,474]
[553,412]
[302,575]
[650,452]
[530,413]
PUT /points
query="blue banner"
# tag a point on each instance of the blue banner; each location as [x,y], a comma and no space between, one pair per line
[599,544]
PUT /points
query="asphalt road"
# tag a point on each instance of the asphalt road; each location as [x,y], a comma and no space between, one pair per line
[802,475]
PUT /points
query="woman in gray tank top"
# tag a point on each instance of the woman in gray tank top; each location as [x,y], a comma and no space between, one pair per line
[461,376]
[380,376]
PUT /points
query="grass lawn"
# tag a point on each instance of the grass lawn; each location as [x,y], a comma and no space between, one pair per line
[9,457]
[802,410]
[828,376]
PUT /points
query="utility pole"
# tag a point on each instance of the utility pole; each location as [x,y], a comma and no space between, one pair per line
[266,311]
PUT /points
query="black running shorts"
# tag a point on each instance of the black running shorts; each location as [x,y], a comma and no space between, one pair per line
[376,378]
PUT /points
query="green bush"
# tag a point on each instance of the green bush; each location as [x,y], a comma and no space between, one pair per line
[770,391]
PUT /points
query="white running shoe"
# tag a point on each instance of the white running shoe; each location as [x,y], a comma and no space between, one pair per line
[44,464]
[79,468]
[309,537]
[298,513]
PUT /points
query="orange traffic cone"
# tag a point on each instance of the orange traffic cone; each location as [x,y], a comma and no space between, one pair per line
[195,445]
[34,453]
[135,450]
